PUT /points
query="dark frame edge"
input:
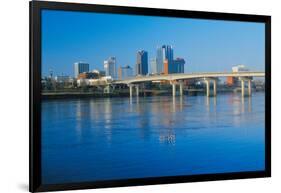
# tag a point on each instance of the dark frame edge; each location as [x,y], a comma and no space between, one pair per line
[180,13]
[153,181]
[34,98]
[268,96]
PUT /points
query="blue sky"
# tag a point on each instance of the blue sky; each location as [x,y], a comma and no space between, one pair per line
[206,45]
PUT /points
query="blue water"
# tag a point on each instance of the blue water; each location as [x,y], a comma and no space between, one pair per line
[118,138]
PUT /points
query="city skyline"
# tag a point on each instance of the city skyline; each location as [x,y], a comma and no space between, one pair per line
[202,50]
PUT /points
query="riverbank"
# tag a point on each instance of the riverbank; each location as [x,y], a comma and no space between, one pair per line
[81,94]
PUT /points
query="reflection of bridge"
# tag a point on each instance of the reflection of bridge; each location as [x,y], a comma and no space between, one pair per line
[177,79]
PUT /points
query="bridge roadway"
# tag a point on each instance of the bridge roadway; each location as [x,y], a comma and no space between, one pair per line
[208,77]
[184,76]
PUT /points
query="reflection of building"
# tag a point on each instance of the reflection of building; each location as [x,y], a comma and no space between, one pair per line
[125,72]
[153,66]
[80,67]
[110,67]
[142,63]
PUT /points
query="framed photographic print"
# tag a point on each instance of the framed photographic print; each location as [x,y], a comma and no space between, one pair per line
[125,96]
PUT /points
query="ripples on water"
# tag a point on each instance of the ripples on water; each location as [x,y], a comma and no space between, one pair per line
[121,138]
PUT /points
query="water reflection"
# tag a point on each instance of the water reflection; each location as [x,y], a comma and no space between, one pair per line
[169,139]
[149,113]
[249,104]
[79,120]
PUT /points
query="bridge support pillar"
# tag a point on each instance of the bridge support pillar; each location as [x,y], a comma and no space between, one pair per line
[249,88]
[174,89]
[242,88]
[181,87]
[137,90]
[131,89]
[215,87]
[207,88]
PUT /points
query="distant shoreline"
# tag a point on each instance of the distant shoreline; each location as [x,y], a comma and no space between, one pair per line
[69,95]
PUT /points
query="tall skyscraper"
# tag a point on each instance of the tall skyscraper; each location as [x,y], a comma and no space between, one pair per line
[153,66]
[80,67]
[142,63]
[110,67]
[168,53]
[125,72]
[164,52]
[159,60]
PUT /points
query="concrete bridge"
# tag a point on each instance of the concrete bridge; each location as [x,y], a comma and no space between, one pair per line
[177,79]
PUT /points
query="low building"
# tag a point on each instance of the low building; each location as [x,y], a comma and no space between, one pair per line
[63,79]
[239,68]
[95,74]
[231,81]
[94,82]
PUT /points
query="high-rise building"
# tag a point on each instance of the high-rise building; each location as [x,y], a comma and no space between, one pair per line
[166,67]
[177,66]
[159,60]
[110,67]
[168,53]
[153,66]
[80,67]
[163,53]
[125,72]
[142,63]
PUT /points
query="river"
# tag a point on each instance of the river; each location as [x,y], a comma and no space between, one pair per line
[120,138]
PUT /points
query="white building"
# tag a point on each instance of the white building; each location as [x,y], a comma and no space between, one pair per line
[94,82]
[110,67]
[239,68]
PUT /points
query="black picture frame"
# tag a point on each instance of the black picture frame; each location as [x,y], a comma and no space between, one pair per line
[35,94]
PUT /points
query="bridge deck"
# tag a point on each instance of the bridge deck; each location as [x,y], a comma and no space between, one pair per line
[184,76]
